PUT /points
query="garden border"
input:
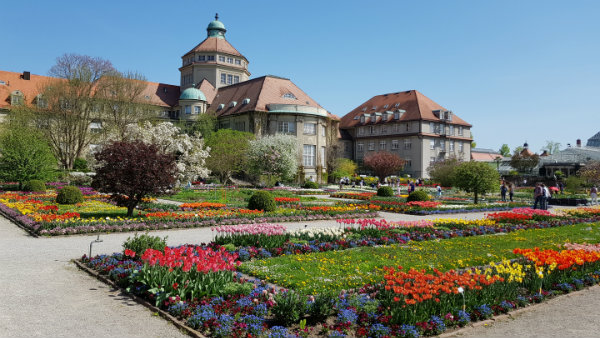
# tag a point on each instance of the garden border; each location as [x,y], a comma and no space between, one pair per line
[14,220]
[512,314]
[178,323]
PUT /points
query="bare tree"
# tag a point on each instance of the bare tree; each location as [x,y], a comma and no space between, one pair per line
[85,90]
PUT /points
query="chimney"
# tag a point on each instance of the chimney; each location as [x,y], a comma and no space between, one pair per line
[578,143]
[26,75]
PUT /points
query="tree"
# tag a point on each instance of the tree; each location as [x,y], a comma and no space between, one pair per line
[551,147]
[133,170]
[25,155]
[524,162]
[504,150]
[188,150]
[205,125]
[383,163]
[274,156]
[71,104]
[344,167]
[443,171]
[121,101]
[476,177]
[591,172]
[228,152]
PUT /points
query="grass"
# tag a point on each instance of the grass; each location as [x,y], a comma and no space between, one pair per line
[338,270]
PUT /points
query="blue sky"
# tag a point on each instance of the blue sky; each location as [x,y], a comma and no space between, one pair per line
[517,70]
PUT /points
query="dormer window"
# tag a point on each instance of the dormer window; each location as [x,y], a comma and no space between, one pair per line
[220,106]
[374,107]
[385,107]
[364,109]
[397,105]
[290,96]
[245,101]
[40,101]
[362,119]
[17,98]
[396,116]
[233,104]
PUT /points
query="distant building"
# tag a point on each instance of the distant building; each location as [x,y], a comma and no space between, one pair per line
[568,160]
[594,141]
[408,124]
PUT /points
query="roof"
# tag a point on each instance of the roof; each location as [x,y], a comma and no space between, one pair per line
[416,105]
[208,89]
[158,94]
[214,44]
[266,94]
[484,155]
[573,155]
[594,141]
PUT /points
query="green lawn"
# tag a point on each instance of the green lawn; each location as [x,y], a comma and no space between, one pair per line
[337,270]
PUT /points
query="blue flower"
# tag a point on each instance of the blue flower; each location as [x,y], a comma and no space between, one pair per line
[278,332]
[463,318]
[378,330]
[408,331]
[347,316]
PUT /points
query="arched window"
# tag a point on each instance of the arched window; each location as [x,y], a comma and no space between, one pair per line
[17,98]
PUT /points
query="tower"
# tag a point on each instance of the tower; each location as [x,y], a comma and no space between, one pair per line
[214,60]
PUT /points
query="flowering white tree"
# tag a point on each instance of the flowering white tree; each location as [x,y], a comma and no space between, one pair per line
[189,150]
[274,156]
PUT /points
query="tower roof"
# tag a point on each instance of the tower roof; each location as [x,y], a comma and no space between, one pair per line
[216,28]
[192,93]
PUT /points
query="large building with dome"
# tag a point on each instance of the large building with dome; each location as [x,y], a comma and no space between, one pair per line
[214,79]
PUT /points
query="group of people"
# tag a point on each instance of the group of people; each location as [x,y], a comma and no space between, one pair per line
[541,195]
[507,188]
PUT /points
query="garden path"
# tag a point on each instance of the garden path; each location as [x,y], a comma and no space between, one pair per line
[44,294]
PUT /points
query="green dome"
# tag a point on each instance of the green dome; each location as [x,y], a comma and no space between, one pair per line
[192,94]
[216,24]
[216,28]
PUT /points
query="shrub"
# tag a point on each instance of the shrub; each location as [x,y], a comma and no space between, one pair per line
[80,164]
[35,186]
[418,195]
[311,185]
[262,200]
[288,307]
[385,191]
[139,244]
[69,195]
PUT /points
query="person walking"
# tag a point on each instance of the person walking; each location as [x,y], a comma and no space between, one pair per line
[594,195]
[511,191]
[546,197]
[503,191]
[538,194]
[439,191]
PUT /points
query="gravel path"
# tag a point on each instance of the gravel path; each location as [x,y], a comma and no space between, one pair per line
[44,294]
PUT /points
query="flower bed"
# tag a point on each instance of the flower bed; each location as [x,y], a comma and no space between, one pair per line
[41,215]
[363,196]
[403,302]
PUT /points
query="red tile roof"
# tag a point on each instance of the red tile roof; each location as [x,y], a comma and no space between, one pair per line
[261,91]
[159,94]
[213,44]
[416,105]
[484,157]
[208,89]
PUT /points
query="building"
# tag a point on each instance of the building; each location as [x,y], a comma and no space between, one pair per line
[569,160]
[408,124]
[214,79]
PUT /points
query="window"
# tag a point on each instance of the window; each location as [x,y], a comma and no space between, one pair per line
[229,79]
[407,127]
[41,102]
[432,144]
[397,105]
[323,157]
[396,116]
[451,131]
[382,145]
[241,126]
[385,107]
[451,145]
[408,162]
[361,130]
[408,144]
[236,79]
[16,98]
[289,96]
[286,127]
[196,109]
[188,109]
[238,61]
[460,147]
[229,60]
[371,130]
[221,58]
[223,78]
[310,128]
[395,144]
[374,107]
[383,129]
[364,109]
[323,131]
[432,160]
[371,145]
[359,147]
[362,119]
[201,58]
[443,145]
[308,156]
[460,130]
[210,58]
